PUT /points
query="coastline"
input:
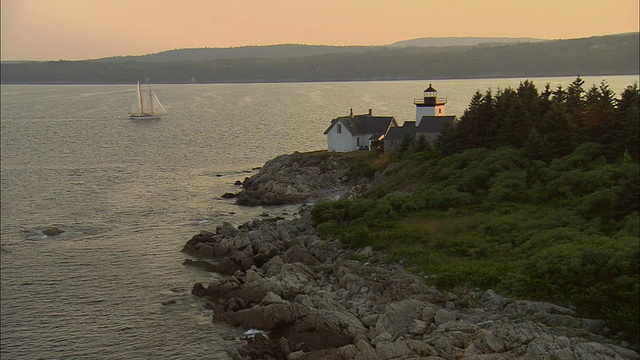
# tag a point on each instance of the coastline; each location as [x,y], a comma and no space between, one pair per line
[310,298]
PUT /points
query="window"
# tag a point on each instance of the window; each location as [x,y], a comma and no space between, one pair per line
[339,129]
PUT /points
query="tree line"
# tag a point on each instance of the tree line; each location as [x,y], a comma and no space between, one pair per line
[549,124]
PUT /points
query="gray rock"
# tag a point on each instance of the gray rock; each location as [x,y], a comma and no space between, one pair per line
[418,327]
[204,250]
[300,254]
[399,316]
[370,320]
[265,317]
[382,338]
[294,178]
[271,298]
[443,316]
[226,229]
[492,301]
[429,313]
[52,231]
[393,350]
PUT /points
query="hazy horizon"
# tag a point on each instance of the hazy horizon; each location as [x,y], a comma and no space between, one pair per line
[90,29]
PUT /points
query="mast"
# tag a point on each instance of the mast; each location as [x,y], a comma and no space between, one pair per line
[140,98]
[150,100]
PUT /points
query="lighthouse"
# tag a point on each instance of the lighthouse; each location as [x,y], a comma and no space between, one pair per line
[430,105]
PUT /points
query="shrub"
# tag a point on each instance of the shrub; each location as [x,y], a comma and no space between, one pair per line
[328,229]
[358,236]
[586,156]
[508,186]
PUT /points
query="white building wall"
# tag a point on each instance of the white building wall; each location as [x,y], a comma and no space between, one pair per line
[421,111]
[340,142]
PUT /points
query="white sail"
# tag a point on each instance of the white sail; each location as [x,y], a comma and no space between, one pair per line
[146,104]
[157,107]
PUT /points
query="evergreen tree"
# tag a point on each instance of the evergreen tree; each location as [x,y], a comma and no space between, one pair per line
[422,144]
[487,124]
[477,126]
[574,98]
[544,102]
[505,100]
[445,142]
[560,95]
[517,112]
[598,110]
[552,137]
[407,145]
[531,112]
[620,133]
[466,132]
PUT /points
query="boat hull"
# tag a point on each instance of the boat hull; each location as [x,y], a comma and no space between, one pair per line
[144,117]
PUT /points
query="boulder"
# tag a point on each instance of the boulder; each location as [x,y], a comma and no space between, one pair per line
[300,254]
[492,301]
[295,178]
[52,231]
[321,329]
[399,316]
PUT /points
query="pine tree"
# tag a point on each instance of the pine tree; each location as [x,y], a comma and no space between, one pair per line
[552,137]
[517,114]
[574,98]
[598,111]
[466,132]
[422,144]
[545,99]
[445,142]
[620,131]
[407,145]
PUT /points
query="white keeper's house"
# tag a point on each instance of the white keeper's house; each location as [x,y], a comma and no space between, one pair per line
[357,132]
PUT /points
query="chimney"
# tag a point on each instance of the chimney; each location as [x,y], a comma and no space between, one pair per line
[370,112]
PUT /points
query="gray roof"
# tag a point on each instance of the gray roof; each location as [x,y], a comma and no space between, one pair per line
[364,124]
[434,124]
[428,124]
[398,133]
[429,89]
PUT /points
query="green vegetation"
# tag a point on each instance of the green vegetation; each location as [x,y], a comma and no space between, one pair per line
[533,194]
[613,54]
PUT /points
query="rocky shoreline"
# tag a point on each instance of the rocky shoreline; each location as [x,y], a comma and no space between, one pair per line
[299,178]
[311,300]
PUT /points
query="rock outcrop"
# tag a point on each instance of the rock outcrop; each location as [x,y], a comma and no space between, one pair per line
[52,231]
[316,304]
[297,178]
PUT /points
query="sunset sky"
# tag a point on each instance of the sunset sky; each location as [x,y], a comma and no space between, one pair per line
[88,29]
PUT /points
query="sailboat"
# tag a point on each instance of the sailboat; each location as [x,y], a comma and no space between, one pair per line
[146,105]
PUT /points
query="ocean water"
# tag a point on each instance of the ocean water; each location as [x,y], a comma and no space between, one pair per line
[129,194]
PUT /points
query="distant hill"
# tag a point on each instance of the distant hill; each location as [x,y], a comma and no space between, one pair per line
[599,55]
[242,52]
[460,41]
[300,50]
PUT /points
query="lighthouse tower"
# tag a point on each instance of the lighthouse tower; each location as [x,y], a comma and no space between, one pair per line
[430,105]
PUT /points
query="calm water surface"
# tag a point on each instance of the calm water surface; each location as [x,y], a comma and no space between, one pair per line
[129,194]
